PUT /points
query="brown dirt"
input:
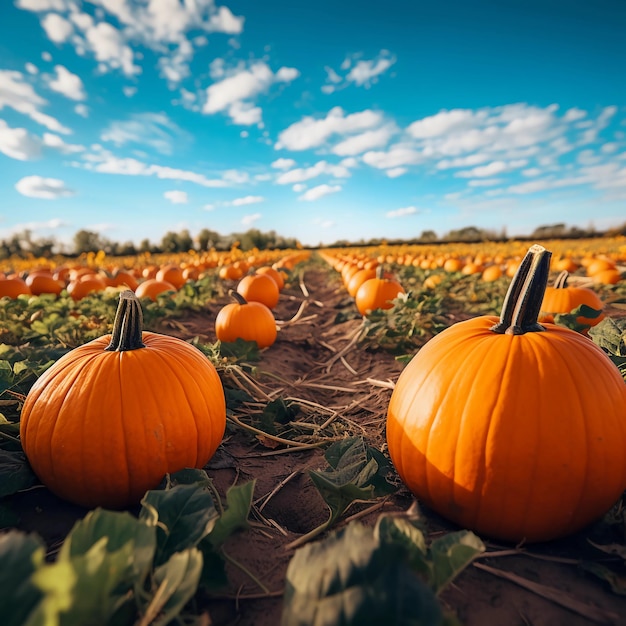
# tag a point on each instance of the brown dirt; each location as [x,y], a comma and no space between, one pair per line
[303,364]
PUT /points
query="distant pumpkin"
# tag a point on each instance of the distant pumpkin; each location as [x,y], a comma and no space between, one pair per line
[251,321]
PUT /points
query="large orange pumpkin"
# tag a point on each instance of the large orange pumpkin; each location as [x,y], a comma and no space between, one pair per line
[110,418]
[511,429]
[251,321]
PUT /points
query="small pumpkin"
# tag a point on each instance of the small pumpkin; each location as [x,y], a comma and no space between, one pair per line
[151,288]
[110,418]
[13,287]
[251,321]
[563,298]
[259,288]
[377,293]
[509,428]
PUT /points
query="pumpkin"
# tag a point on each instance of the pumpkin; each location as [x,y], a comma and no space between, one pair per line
[13,287]
[110,418]
[259,288]
[273,273]
[172,274]
[562,298]
[241,319]
[43,282]
[377,293]
[83,286]
[152,288]
[509,428]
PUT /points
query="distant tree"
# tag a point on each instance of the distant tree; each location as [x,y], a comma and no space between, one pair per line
[207,239]
[88,241]
[428,236]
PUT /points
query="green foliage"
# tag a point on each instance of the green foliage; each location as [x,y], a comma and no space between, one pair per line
[610,335]
[114,568]
[368,576]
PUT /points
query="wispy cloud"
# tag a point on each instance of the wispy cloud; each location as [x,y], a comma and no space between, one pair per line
[176,196]
[43,188]
[357,71]
[315,193]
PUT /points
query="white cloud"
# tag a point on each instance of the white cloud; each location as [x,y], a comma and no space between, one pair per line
[102,161]
[484,182]
[82,110]
[57,27]
[234,92]
[246,200]
[54,141]
[315,193]
[245,113]
[42,5]
[31,68]
[495,167]
[176,197]
[129,91]
[370,139]
[441,123]
[68,84]
[20,96]
[310,132]
[301,174]
[574,114]
[209,207]
[150,129]
[44,188]
[365,72]
[409,210]
[247,220]
[18,144]
[393,158]
[299,187]
[283,164]
[109,48]
[395,172]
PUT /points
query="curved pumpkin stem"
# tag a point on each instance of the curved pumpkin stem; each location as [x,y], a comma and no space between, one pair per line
[128,324]
[237,296]
[560,281]
[522,302]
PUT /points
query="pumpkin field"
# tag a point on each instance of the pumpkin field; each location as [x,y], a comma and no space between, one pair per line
[423,434]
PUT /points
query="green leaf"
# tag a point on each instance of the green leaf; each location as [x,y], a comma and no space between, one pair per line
[87,589]
[20,556]
[186,514]
[119,528]
[175,582]
[451,554]
[358,472]
[610,335]
[277,411]
[240,350]
[353,579]
[235,517]
[402,532]
[15,473]
[213,575]
[570,320]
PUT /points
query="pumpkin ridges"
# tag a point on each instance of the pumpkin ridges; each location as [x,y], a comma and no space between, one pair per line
[511,488]
[84,453]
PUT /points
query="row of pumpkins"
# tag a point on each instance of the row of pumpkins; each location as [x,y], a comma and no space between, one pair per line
[372,288]
[508,427]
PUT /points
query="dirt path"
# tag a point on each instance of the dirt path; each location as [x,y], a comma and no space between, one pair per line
[337,384]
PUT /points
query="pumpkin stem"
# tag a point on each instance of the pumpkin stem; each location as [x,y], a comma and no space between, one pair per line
[128,324]
[237,296]
[380,272]
[561,280]
[522,302]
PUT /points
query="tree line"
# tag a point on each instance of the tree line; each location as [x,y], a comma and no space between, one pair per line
[23,244]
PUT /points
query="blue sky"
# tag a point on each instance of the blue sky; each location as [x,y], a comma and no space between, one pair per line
[320,120]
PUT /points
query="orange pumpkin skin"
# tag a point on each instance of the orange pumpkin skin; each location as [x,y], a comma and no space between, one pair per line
[151,288]
[562,298]
[517,437]
[100,428]
[377,293]
[251,321]
[259,288]
[13,287]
